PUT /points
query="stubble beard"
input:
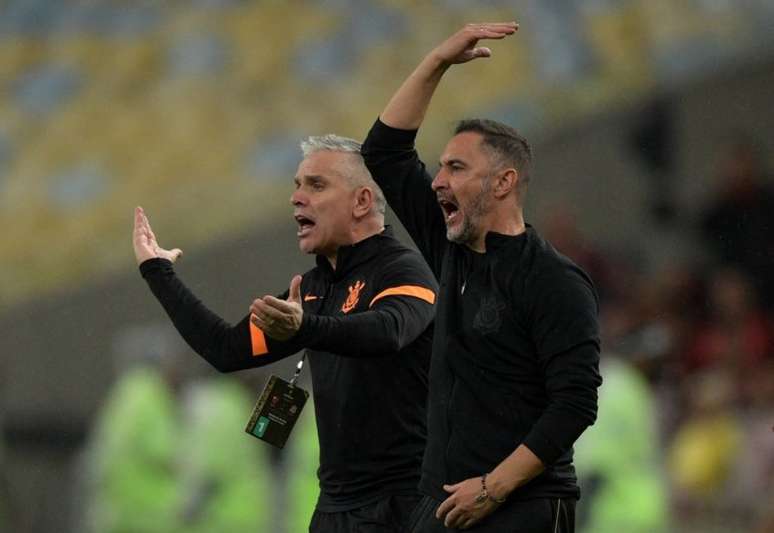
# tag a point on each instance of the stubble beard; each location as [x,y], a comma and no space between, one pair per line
[468,230]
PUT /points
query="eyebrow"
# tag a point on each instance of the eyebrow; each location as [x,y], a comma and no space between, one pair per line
[452,162]
[310,178]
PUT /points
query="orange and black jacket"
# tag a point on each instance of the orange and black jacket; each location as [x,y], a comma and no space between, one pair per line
[516,339]
[367,329]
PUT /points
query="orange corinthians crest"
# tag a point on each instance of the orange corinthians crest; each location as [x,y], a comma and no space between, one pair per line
[353,297]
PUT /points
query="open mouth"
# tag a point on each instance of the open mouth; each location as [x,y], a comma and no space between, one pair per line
[305,225]
[450,210]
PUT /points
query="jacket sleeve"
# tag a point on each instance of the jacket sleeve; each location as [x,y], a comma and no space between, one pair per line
[566,335]
[394,164]
[401,311]
[226,347]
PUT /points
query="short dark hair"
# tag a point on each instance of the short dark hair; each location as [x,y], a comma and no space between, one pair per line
[507,144]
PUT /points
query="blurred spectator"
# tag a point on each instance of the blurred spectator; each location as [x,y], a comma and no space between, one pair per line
[133,456]
[753,474]
[618,459]
[561,229]
[167,453]
[303,460]
[656,318]
[702,452]
[737,336]
[223,473]
[738,224]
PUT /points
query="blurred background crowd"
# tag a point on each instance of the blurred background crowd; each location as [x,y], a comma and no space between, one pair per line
[651,122]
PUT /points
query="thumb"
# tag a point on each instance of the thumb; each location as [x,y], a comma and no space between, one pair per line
[176,254]
[451,488]
[482,51]
[295,289]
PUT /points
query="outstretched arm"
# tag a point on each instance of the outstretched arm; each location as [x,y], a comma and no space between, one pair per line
[407,108]
[226,347]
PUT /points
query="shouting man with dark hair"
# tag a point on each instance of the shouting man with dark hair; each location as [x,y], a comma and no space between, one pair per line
[514,371]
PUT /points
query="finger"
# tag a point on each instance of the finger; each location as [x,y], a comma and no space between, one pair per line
[468,523]
[258,322]
[266,312]
[263,323]
[508,24]
[295,289]
[280,305]
[508,27]
[146,225]
[143,217]
[137,222]
[451,488]
[490,34]
[140,222]
[149,231]
[261,310]
[454,518]
[446,506]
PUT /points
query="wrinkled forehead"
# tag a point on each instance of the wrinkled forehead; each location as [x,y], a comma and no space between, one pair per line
[333,166]
[466,146]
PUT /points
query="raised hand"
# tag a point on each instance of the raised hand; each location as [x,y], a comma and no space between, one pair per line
[145,244]
[407,107]
[279,319]
[461,47]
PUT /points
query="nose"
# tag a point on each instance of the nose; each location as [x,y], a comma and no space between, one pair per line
[439,182]
[297,198]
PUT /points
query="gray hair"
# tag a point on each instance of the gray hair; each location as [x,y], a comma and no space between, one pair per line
[359,175]
[329,143]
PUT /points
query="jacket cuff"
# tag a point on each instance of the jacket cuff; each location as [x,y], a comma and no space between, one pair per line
[155,265]
[545,450]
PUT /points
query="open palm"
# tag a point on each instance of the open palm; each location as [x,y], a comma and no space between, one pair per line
[461,47]
[145,244]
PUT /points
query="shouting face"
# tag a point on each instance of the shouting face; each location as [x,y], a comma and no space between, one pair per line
[323,200]
[463,189]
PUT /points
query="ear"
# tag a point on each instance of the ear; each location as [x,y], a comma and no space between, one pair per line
[505,182]
[364,200]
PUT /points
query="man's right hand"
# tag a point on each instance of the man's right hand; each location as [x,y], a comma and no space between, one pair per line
[461,47]
[145,244]
[407,107]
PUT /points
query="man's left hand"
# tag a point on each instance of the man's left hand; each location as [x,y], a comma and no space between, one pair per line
[461,510]
[279,319]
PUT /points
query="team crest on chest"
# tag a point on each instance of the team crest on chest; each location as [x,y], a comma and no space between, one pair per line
[489,317]
[353,297]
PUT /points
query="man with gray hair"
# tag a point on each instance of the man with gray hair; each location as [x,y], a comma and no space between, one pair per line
[363,314]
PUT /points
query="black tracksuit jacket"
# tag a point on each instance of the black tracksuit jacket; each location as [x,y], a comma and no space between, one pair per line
[516,344]
[367,330]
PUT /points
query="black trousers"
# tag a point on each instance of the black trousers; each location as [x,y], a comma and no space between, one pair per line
[388,515]
[541,515]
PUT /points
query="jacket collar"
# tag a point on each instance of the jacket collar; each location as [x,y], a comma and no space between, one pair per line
[350,256]
[499,242]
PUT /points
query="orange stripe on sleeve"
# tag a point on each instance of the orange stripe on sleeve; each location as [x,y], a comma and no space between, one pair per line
[258,341]
[407,290]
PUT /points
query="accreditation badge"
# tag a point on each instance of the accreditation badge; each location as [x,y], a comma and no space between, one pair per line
[277,411]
